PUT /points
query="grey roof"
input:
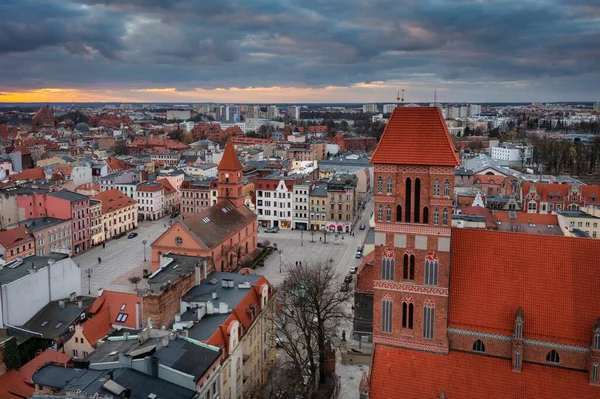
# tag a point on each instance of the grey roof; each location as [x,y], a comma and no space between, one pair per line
[201,182]
[464,172]
[580,233]
[52,320]
[104,351]
[69,195]
[482,162]
[8,274]
[187,356]
[216,223]
[340,161]
[21,190]
[95,202]
[36,224]
[577,214]
[113,175]
[86,380]
[181,265]
[231,296]
[319,190]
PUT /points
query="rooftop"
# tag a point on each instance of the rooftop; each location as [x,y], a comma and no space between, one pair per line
[69,196]
[142,386]
[230,160]
[53,320]
[113,200]
[188,356]
[36,224]
[482,162]
[576,214]
[15,236]
[16,270]
[179,265]
[406,131]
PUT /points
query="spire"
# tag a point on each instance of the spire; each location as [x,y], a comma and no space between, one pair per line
[230,160]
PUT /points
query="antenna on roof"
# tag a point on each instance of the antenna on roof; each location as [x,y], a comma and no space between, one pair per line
[435,97]
[398,98]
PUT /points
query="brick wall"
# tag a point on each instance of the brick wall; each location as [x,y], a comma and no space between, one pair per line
[161,307]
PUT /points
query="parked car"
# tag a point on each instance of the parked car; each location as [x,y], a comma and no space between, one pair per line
[362,227]
[348,278]
[132,235]
[272,229]
[174,215]
[353,269]
[358,255]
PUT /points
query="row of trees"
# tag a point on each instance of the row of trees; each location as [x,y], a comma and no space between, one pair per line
[559,156]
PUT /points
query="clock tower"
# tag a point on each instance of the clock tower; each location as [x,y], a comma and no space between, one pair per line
[230,177]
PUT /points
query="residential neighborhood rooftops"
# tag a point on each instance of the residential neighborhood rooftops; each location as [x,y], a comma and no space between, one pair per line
[113,200]
[576,214]
[36,224]
[14,236]
[55,318]
[47,356]
[188,356]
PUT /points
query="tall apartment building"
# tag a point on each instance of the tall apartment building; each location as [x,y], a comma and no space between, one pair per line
[69,205]
[318,206]
[272,112]
[151,200]
[293,112]
[50,235]
[300,204]
[370,108]
[388,108]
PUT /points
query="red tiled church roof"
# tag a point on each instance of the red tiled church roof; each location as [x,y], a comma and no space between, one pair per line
[554,279]
[469,376]
[416,136]
[230,160]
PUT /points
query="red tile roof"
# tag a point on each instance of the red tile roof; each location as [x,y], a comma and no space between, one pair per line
[230,160]
[97,327]
[114,301]
[13,386]
[47,356]
[115,164]
[113,200]
[61,172]
[490,220]
[416,136]
[543,189]
[526,218]
[33,174]
[148,186]
[467,375]
[11,237]
[24,150]
[168,187]
[553,278]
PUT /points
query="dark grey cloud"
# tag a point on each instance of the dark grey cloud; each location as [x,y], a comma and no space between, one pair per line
[127,44]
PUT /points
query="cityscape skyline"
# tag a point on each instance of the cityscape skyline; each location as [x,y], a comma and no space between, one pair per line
[270,52]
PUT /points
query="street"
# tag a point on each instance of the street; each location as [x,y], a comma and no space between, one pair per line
[121,259]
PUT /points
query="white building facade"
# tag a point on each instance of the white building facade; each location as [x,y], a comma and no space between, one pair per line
[300,203]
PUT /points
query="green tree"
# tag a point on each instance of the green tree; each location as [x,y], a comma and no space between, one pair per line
[11,355]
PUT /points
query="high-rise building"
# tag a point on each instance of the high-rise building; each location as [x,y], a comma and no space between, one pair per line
[370,108]
[273,112]
[293,112]
[388,108]
[474,109]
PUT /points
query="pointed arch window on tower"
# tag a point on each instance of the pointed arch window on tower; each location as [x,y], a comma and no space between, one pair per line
[428,321]
[445,217]
[398,213]
[380,213]
[386,316]
[405,267]
[597,340]
[436,216]
[478,346]
[446,188]
[425,215]
[388,213]
[389,186]
[380,185]
[431,272]
[411,274]
[595,367]
[407,315]
[417,213]
[436,188]
[407,200]
[553,357]
[387,268]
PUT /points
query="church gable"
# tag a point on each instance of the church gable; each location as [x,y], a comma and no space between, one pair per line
[179,238]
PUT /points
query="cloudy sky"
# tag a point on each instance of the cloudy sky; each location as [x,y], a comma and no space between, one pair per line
[299,51]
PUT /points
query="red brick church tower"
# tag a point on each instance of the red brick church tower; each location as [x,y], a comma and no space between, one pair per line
[414,183]
[230,177]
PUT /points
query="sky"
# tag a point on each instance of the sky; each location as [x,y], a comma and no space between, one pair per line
[281,51]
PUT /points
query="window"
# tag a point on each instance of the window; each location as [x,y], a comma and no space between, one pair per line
[519,330]
[411,275]
[431,272]
[387,268]
[445,217]
[436,188]
[426,215]
[428,319]
[379,213]
[121,317]
[76,340]
[518,360]
[597,340]
[389,185]
[379,185]
[178,240]
[405,267]
[446,188]
[595,372]
[75,353]
[398,213]
[407,315]
[386,315]
[388,213]
[436,216]
[85,354]
[553,357]
[532,206]
[478,346]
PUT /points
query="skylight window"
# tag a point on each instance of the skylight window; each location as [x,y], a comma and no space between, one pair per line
[44,324]
[58,325]
[121,317]
[123,306]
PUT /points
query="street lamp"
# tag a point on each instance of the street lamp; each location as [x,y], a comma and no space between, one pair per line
[301,238]
[280,253]
[312,236]
[89,276]
[144,242]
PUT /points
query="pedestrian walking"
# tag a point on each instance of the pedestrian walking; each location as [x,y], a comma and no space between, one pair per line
[320,238]
[296,263]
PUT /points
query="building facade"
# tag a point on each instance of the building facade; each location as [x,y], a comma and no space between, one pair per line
[69,205]
[195,197]
[16,243]
[300,203]
[119,213]
[50,235]
[342,203]
[318,206]
[274,201]
[96,227]
[151,200]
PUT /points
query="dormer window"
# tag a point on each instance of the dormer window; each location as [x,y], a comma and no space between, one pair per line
[553,357]
[596,344]
[550,196]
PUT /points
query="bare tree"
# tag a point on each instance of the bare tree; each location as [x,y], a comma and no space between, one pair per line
[134,280]
[310,310]
[233,257]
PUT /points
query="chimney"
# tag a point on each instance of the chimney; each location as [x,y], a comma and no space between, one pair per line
[80,304]
[165,341]
[73,297]
[61,304]
[214,294]
[100,291]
